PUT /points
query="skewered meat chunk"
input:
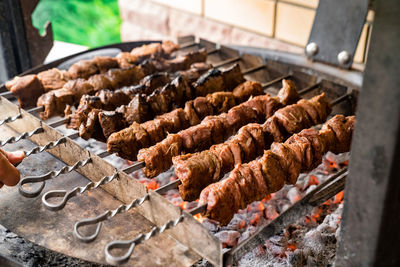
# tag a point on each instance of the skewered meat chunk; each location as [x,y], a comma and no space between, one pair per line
[217,128]
[183,62]
[111,121]
[232,77]
[27,89]
[92,126]
[87,103]
[153,81]
[278,166]
[159,128]
[215,80]
[195,71]
[246,145]
[53,79]
[83,69]
[136,111]
[105,63]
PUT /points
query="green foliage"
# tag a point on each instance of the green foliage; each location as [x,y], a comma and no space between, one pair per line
[86,22]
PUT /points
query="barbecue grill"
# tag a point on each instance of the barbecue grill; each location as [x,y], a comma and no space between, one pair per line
[186,241]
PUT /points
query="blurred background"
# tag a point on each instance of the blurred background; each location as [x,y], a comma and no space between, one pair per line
[89,23]
[276,24]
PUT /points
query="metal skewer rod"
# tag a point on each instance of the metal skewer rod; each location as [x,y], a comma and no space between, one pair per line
[59,122]
[10,119]
[37,109]
[50,175]
[7,95]
[123,208]
[79,190]
[52,144]
[24,135]
[225,62]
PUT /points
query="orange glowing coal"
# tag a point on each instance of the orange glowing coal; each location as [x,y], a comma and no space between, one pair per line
[260,206]
[153,185]
[292,247]
[183,205]
[255,219]
[313,180]
[338,198]
[199,218]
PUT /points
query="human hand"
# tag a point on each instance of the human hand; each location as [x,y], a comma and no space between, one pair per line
[9,175]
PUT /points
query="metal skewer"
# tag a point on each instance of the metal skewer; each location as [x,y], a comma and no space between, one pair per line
[131,244]
[11,119]
[50,175]
[24,135]
[136,202]
[79,190]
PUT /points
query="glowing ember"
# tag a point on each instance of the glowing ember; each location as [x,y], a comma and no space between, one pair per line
[199,218]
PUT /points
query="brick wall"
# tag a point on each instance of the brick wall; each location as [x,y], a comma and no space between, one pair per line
[275,24]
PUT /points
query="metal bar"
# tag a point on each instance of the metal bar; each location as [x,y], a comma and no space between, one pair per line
[24,135]
[225,62]
[10,119]
[254,69]
[134,167]
[59,122]
[7,95]
[37,109]
[199,209]
[371,216]
[30,193]
[340,99]
[307,89]
[274,81]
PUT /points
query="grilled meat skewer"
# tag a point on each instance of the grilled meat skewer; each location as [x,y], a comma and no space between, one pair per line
[108,100]
[56,101]
[198,170]
[127,142]
[162,100]
[281,164]
[213,129]
[30,87]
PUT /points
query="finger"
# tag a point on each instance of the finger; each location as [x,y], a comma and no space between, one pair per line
[9,175]
[15,157]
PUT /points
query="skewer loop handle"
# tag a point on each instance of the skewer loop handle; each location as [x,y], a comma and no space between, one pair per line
[130,244]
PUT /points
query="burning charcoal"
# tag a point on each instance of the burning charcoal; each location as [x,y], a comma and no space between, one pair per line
[270,213]
[249,232]
[293,195]
[228,238]
[211,225]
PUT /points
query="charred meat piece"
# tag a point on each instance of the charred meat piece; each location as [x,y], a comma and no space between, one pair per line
[153,81]
[136,111]
[92,126]
[111,122]
[53,79]
[99,82]
[183,62]
[27,89]
[83,69]
[209,82]
[105,63]
[86,104]
[247,89]
[278,166]
[195,71]
[232,77]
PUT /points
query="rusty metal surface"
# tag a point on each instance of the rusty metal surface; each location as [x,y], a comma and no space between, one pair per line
[29,219]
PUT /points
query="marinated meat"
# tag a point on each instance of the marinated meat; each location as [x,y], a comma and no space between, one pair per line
[111,122]
[27,89]
[277,167]
[159,128]
[53,79]
[249,143]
